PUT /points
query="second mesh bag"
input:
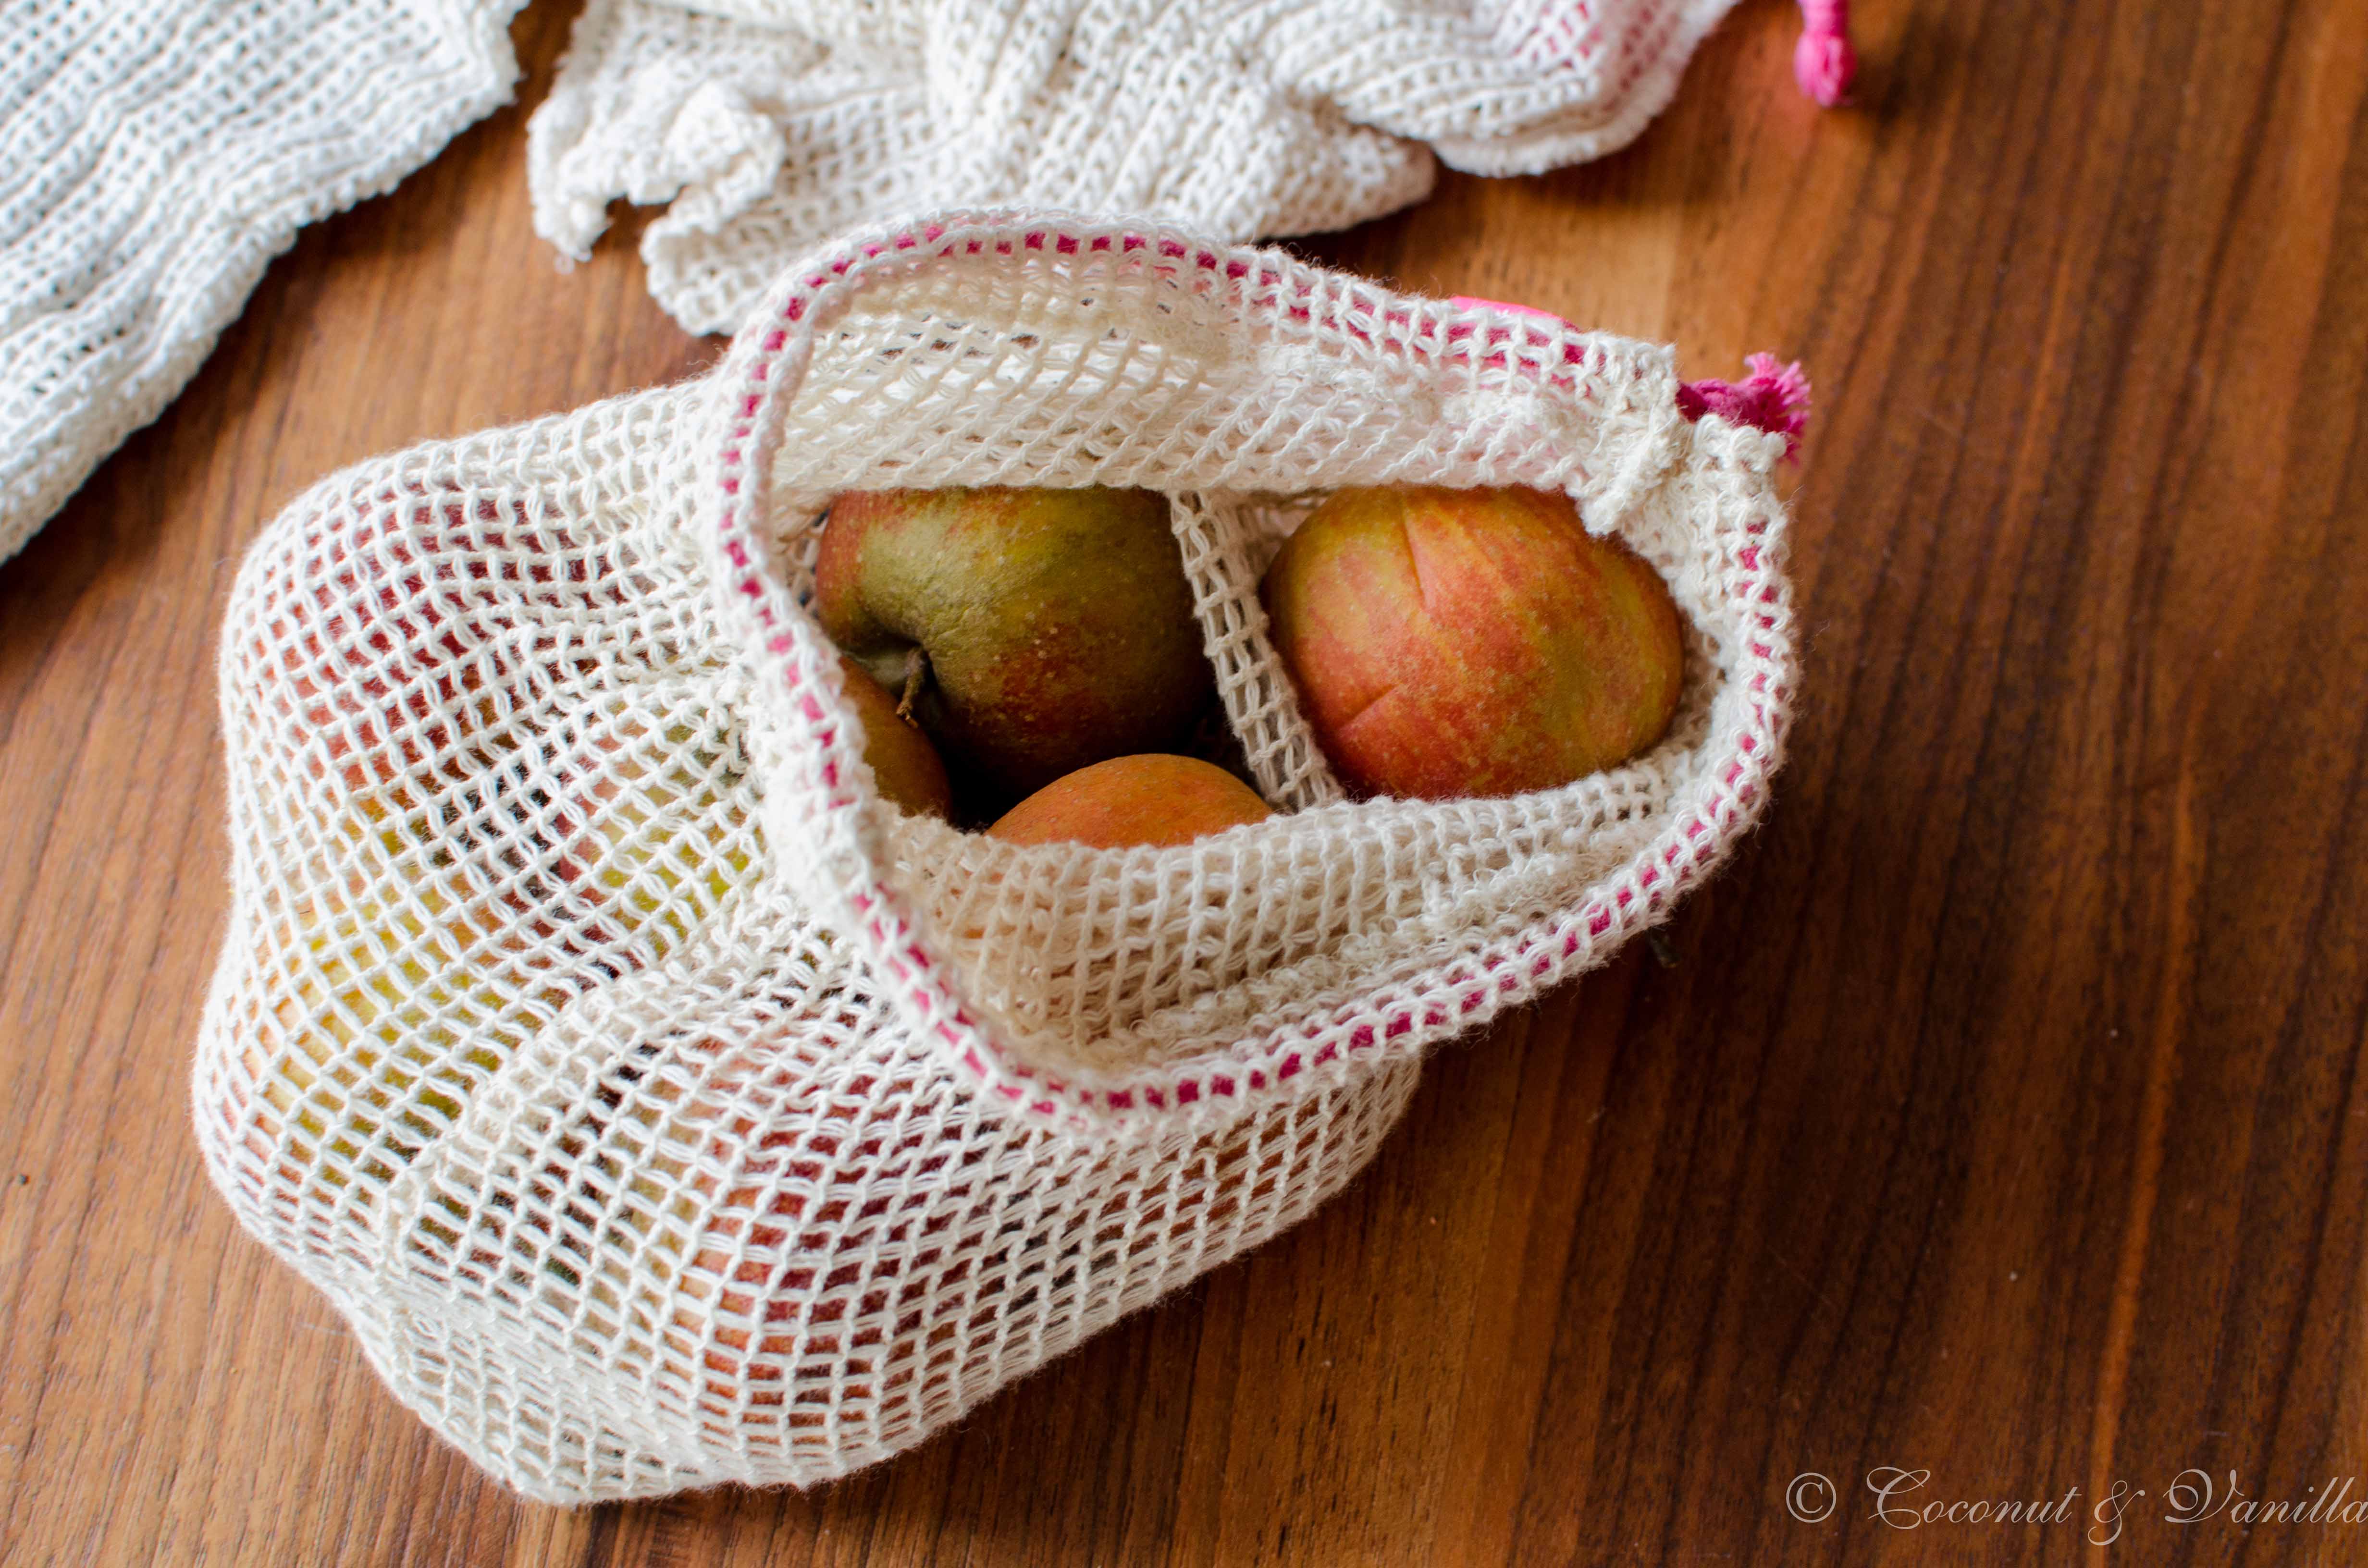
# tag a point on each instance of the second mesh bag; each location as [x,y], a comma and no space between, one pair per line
[662,1108]
[770,125]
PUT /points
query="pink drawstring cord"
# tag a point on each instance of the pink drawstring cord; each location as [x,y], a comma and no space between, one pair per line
[1822,61]
[1773,397]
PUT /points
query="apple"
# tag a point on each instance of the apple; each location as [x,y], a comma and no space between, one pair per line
[1158,800]
[426,960]
[1028,632]
[455,872]
[657,847]
[904,764]
[1451,643]
[395,989]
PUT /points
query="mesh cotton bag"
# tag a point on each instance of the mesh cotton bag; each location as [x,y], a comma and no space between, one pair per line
[662,1108]
[155,155]
[771,125]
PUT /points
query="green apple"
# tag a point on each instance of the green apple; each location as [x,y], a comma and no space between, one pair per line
[1028,632]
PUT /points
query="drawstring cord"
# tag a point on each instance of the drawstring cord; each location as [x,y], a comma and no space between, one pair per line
[1773,397]
[1822,61]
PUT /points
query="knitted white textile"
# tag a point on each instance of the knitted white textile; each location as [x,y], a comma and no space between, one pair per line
[155,155]
[773,124]
[662,1107]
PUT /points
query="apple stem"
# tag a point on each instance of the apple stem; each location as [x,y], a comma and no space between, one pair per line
[916,670]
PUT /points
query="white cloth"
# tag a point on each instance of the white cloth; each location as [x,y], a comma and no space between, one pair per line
[155,155]
[771,124]
[660,1106]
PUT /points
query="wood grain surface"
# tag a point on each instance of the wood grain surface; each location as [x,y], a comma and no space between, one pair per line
[2002,1113]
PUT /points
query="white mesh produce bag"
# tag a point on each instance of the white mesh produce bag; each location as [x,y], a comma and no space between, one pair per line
[773,124]
[155,155]
[664,1109]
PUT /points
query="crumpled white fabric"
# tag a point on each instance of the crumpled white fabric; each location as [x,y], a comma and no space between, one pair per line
[771,124]
[155,156]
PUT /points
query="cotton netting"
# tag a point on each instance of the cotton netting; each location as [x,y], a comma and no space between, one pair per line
[664,1109]
[771,125]
[157,154]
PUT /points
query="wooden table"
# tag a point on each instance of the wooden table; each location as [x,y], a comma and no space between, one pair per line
[2001,1115]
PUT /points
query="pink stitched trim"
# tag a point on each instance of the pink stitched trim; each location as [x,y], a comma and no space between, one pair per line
[1773,397]
[1503,975]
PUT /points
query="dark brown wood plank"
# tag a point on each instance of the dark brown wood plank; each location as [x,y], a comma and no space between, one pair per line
[2003,1114]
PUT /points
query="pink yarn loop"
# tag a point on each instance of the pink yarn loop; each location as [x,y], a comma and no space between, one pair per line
[1822,61]
[1773,397]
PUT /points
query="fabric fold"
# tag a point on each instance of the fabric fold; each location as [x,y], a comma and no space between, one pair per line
[1240,118]
[155,156]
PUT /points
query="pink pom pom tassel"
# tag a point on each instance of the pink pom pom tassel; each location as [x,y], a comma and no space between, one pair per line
[1822,61]
[1773,397]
